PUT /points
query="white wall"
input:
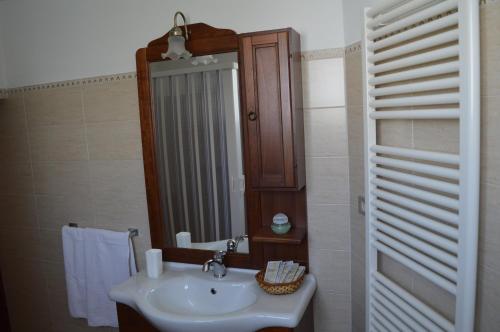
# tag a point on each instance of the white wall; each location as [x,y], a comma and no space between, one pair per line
[353,19]
[54,40]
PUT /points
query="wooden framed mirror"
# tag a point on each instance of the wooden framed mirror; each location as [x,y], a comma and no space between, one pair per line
[260,149]
[196,200]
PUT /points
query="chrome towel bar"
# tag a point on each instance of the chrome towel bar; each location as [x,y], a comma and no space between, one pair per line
[133,231]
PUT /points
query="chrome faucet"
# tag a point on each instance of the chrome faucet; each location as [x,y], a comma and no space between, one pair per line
[218,264]
[232,244]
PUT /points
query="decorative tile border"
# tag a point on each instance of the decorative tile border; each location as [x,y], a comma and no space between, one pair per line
[488,2]
[75,83]
[353,48]
[327,53]
[306,56]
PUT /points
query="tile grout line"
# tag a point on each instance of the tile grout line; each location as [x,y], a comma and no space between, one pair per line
[37,217]
[349,216]
[30,157]
[86,141]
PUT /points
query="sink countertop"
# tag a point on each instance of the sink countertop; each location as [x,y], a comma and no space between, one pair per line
[263,310]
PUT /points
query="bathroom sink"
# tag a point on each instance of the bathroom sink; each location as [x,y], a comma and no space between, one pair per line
[185,299]
[192,295]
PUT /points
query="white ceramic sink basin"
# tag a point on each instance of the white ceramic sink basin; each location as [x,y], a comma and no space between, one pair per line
[191,295]
[185,299]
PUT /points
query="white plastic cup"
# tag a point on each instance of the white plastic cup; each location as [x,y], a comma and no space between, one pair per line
[154,263]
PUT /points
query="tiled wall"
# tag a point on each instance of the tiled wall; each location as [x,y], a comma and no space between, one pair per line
[354,105]
[70,153]
[443,136]
[328,191]
[73,153]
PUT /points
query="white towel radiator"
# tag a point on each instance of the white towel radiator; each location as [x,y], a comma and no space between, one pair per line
[421,60]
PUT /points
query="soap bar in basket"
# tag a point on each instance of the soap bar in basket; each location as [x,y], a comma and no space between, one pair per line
[278,272]
[272,271]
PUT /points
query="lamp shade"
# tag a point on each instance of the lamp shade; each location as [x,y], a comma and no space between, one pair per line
[177,48]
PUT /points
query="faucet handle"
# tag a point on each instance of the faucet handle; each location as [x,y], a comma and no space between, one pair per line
[231,245]
[219,255]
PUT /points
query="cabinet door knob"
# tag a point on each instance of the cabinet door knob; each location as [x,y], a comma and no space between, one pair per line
[252,116]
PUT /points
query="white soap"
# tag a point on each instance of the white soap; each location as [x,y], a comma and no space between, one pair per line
[154,263]
[291,273]
[300,273]
[286,270]
[272,271]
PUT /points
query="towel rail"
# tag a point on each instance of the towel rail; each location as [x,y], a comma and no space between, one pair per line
[421,61]
[133,231]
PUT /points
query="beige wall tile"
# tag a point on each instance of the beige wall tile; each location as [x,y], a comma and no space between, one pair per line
[54,106]
[436,135]
[331,268]
[114,140]
[490,48]
[323,83]
[12,116]
[358,293]
[55,211]
[489,226]
[325,132]
[328,227]
[355,131]
[112,101]
[488,300]
[354,79]
[17,211]
[58,143]
[327,180]
[434,296]
[19,243]
[332,312]
[26,295]
[51,246]
[59,178]
[16,178]
[395,133]
[120,209]
[356,179]
[117,175]
[490,136]
[22,275]
[357,233]
[54,276]
[14,148]
[395,271]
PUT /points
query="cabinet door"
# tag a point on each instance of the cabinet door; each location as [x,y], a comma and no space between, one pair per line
[266,85]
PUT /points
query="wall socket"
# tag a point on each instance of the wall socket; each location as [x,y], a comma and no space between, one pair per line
[361,205]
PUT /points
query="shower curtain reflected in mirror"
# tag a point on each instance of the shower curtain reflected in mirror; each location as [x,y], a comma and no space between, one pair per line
[197,154]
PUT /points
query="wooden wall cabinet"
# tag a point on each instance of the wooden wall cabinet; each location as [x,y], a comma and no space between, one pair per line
[272,104]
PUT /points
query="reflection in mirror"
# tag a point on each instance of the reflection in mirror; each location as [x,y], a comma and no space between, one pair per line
[199,152]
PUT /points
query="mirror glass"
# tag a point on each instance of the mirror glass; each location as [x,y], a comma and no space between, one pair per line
[199,151]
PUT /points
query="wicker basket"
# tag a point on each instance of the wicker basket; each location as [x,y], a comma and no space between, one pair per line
[278,289]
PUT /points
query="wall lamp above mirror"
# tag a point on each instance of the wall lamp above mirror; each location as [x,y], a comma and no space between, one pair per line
[177,42]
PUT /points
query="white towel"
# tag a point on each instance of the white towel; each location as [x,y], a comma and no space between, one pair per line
[74,265]
[100,260]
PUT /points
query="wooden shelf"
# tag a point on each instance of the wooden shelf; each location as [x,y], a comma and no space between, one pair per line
[266,235]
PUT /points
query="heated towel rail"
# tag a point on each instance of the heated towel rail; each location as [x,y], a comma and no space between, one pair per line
[421,62]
